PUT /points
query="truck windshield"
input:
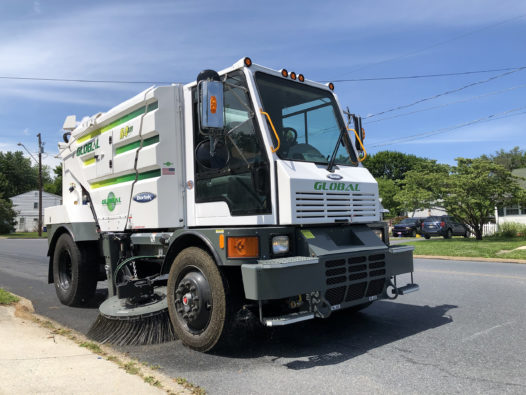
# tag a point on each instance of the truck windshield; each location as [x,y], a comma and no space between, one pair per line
[306,119]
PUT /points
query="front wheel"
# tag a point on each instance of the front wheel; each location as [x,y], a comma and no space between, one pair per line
[75,272]
[197,300]
[427,237]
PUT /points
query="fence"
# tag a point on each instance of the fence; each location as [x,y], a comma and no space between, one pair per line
[489,229]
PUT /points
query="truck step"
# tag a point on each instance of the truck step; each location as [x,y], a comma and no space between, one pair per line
[407,289]
[287,319]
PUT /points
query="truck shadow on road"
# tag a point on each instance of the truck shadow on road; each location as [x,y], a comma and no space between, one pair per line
[340,337]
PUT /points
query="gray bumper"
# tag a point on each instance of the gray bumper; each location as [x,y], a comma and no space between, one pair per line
[344,279]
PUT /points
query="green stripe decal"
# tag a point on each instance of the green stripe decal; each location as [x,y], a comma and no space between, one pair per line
[137,144]
[126,178]
[126,118]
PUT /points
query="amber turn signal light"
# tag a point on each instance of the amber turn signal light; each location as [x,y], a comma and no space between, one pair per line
[243,247]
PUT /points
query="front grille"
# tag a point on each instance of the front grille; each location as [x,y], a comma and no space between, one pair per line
[334,205]
[354,278]
[335,295]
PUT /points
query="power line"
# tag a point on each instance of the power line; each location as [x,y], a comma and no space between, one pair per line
[407,77]
[83,81]
[447,104]
[447,92]
[436,44]
[491,117]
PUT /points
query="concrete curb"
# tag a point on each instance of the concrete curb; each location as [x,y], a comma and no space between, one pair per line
[24,310]
[468,258]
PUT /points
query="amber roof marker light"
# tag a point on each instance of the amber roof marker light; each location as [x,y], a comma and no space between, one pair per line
[331,86]
[301,78]
[247,61]
[293,75]
[284,73]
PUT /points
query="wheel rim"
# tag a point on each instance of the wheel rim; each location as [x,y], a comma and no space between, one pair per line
[193,301]
[65,269]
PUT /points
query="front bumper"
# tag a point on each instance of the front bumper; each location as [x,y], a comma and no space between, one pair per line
[343,280]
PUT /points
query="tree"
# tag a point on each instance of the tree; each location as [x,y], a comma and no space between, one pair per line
[388,190]
[20,173]
[20,176]
[7,214]
[55,186]
[513,159]
[469,191]
[393,165]
[420,188]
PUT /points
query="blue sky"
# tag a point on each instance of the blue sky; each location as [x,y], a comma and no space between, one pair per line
[324,40]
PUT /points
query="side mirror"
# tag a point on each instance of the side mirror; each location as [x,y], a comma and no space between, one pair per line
[359,129]
[212,154]
[210,106]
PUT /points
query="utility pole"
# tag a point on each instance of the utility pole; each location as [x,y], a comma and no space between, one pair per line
[39,186]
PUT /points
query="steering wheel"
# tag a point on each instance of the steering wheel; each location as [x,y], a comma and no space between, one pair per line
[290,135]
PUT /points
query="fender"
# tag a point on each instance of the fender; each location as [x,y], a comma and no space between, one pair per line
[188,238]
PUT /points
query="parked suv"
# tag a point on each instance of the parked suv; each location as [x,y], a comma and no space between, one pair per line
[444,225]
[407,227]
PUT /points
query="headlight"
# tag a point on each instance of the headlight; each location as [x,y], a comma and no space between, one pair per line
[280,245]
[379,233]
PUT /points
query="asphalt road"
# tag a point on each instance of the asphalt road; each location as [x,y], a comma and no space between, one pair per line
[463,332]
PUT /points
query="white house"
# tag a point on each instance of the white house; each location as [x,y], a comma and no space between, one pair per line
[26,207]
[514,213]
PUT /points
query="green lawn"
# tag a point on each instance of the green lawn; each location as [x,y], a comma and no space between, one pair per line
[486,248]
[24,235]
[7,298]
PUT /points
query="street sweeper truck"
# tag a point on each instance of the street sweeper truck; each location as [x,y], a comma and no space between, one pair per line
[239,196]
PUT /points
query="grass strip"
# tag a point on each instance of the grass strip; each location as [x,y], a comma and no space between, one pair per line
[24,235]
[490,247]
[7,298]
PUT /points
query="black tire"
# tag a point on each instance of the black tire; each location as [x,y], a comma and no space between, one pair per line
[427,237]
[448,234]
[75,272]
[212,316]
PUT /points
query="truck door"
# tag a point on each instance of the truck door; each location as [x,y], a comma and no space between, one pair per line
[243,182]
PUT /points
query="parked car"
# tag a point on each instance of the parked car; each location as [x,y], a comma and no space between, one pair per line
[444,226]
[407,227]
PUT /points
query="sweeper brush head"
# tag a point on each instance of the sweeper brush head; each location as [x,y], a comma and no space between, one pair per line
[123,325]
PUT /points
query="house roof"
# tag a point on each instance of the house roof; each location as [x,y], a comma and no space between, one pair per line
[32,193]
[520,173]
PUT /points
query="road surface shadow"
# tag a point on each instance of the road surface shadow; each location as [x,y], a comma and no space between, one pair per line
[336,339]
[340,337]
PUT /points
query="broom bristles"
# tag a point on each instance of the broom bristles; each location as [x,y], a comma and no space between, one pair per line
[133,331]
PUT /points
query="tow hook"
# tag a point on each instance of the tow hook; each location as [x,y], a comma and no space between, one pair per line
[319,305]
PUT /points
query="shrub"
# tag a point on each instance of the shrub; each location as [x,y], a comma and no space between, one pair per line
[511,229]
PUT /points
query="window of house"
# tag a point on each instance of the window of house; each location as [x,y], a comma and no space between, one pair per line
[35,205]
[512,210]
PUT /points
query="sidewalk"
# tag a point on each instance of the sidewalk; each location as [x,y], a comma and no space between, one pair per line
[39,360]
